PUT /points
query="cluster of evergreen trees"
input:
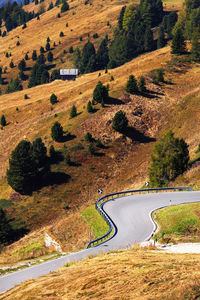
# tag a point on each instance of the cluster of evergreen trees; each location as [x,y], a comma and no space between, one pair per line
[88,60]
[39,72]
[13,15]
[27,166]
[134,35]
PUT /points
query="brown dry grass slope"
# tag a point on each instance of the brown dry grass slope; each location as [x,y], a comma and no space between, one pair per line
[130,274]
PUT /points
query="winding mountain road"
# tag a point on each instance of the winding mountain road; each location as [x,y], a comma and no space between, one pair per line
[132,217]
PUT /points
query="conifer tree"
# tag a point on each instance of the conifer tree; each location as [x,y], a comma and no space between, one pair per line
[131,86]
[57,132]
[34,55]
[64,7]
[39,153]
[22,168]
[100,93]
[42,50]
[89,107]
[77,58]
[121,17]
[161,38]
[178,45]
[170,159]
[148,39]
[50,56]
[47,46]
[3,121]
[73,112]
[142,85]
[53,99]
[11,64]
[195,49]
[120,121]
[102,57]
[22,65]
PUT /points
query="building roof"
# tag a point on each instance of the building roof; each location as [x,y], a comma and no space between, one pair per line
[68,71]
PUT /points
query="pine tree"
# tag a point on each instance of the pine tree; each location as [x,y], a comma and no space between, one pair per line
[42,50]
[48,47]
[195,49]
[88,137]
[64,7]
[148,39]
[142,85]
[170,159]
[89,107]
[45,77]
[3,121]
[178,45]
[88,51]
[120,121]
[100,93]
[57,132]
[11,64]
[161,75]
[22,65]
[131,86]
[161,38]
[102,57]
[121,16]
[77,58]
[53,99]
[73,112]
[50,56]
[26,56]
[34,55]
[39,153]
[22,168]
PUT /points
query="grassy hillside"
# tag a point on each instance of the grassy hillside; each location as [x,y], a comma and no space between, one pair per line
[130,274]
[178,223]
[165,105]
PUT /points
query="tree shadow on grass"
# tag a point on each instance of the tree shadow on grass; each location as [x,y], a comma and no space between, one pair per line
[55,178]
[74,164]
[137,136]
[68,137]
[114,101]
[58,157]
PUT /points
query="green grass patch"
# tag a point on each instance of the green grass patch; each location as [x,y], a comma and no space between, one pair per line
[179,222]
[96,222]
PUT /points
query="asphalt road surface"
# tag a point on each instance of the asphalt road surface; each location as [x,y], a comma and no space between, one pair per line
[132,217]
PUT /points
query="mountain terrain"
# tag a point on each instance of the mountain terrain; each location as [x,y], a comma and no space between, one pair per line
[124,160]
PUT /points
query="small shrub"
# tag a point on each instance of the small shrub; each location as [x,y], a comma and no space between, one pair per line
[25,96]
[61,34]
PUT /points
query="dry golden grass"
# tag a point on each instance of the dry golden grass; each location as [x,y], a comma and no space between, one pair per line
[131,274]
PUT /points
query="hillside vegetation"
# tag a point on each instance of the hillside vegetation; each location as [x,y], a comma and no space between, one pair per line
[171,104]
[128,274]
